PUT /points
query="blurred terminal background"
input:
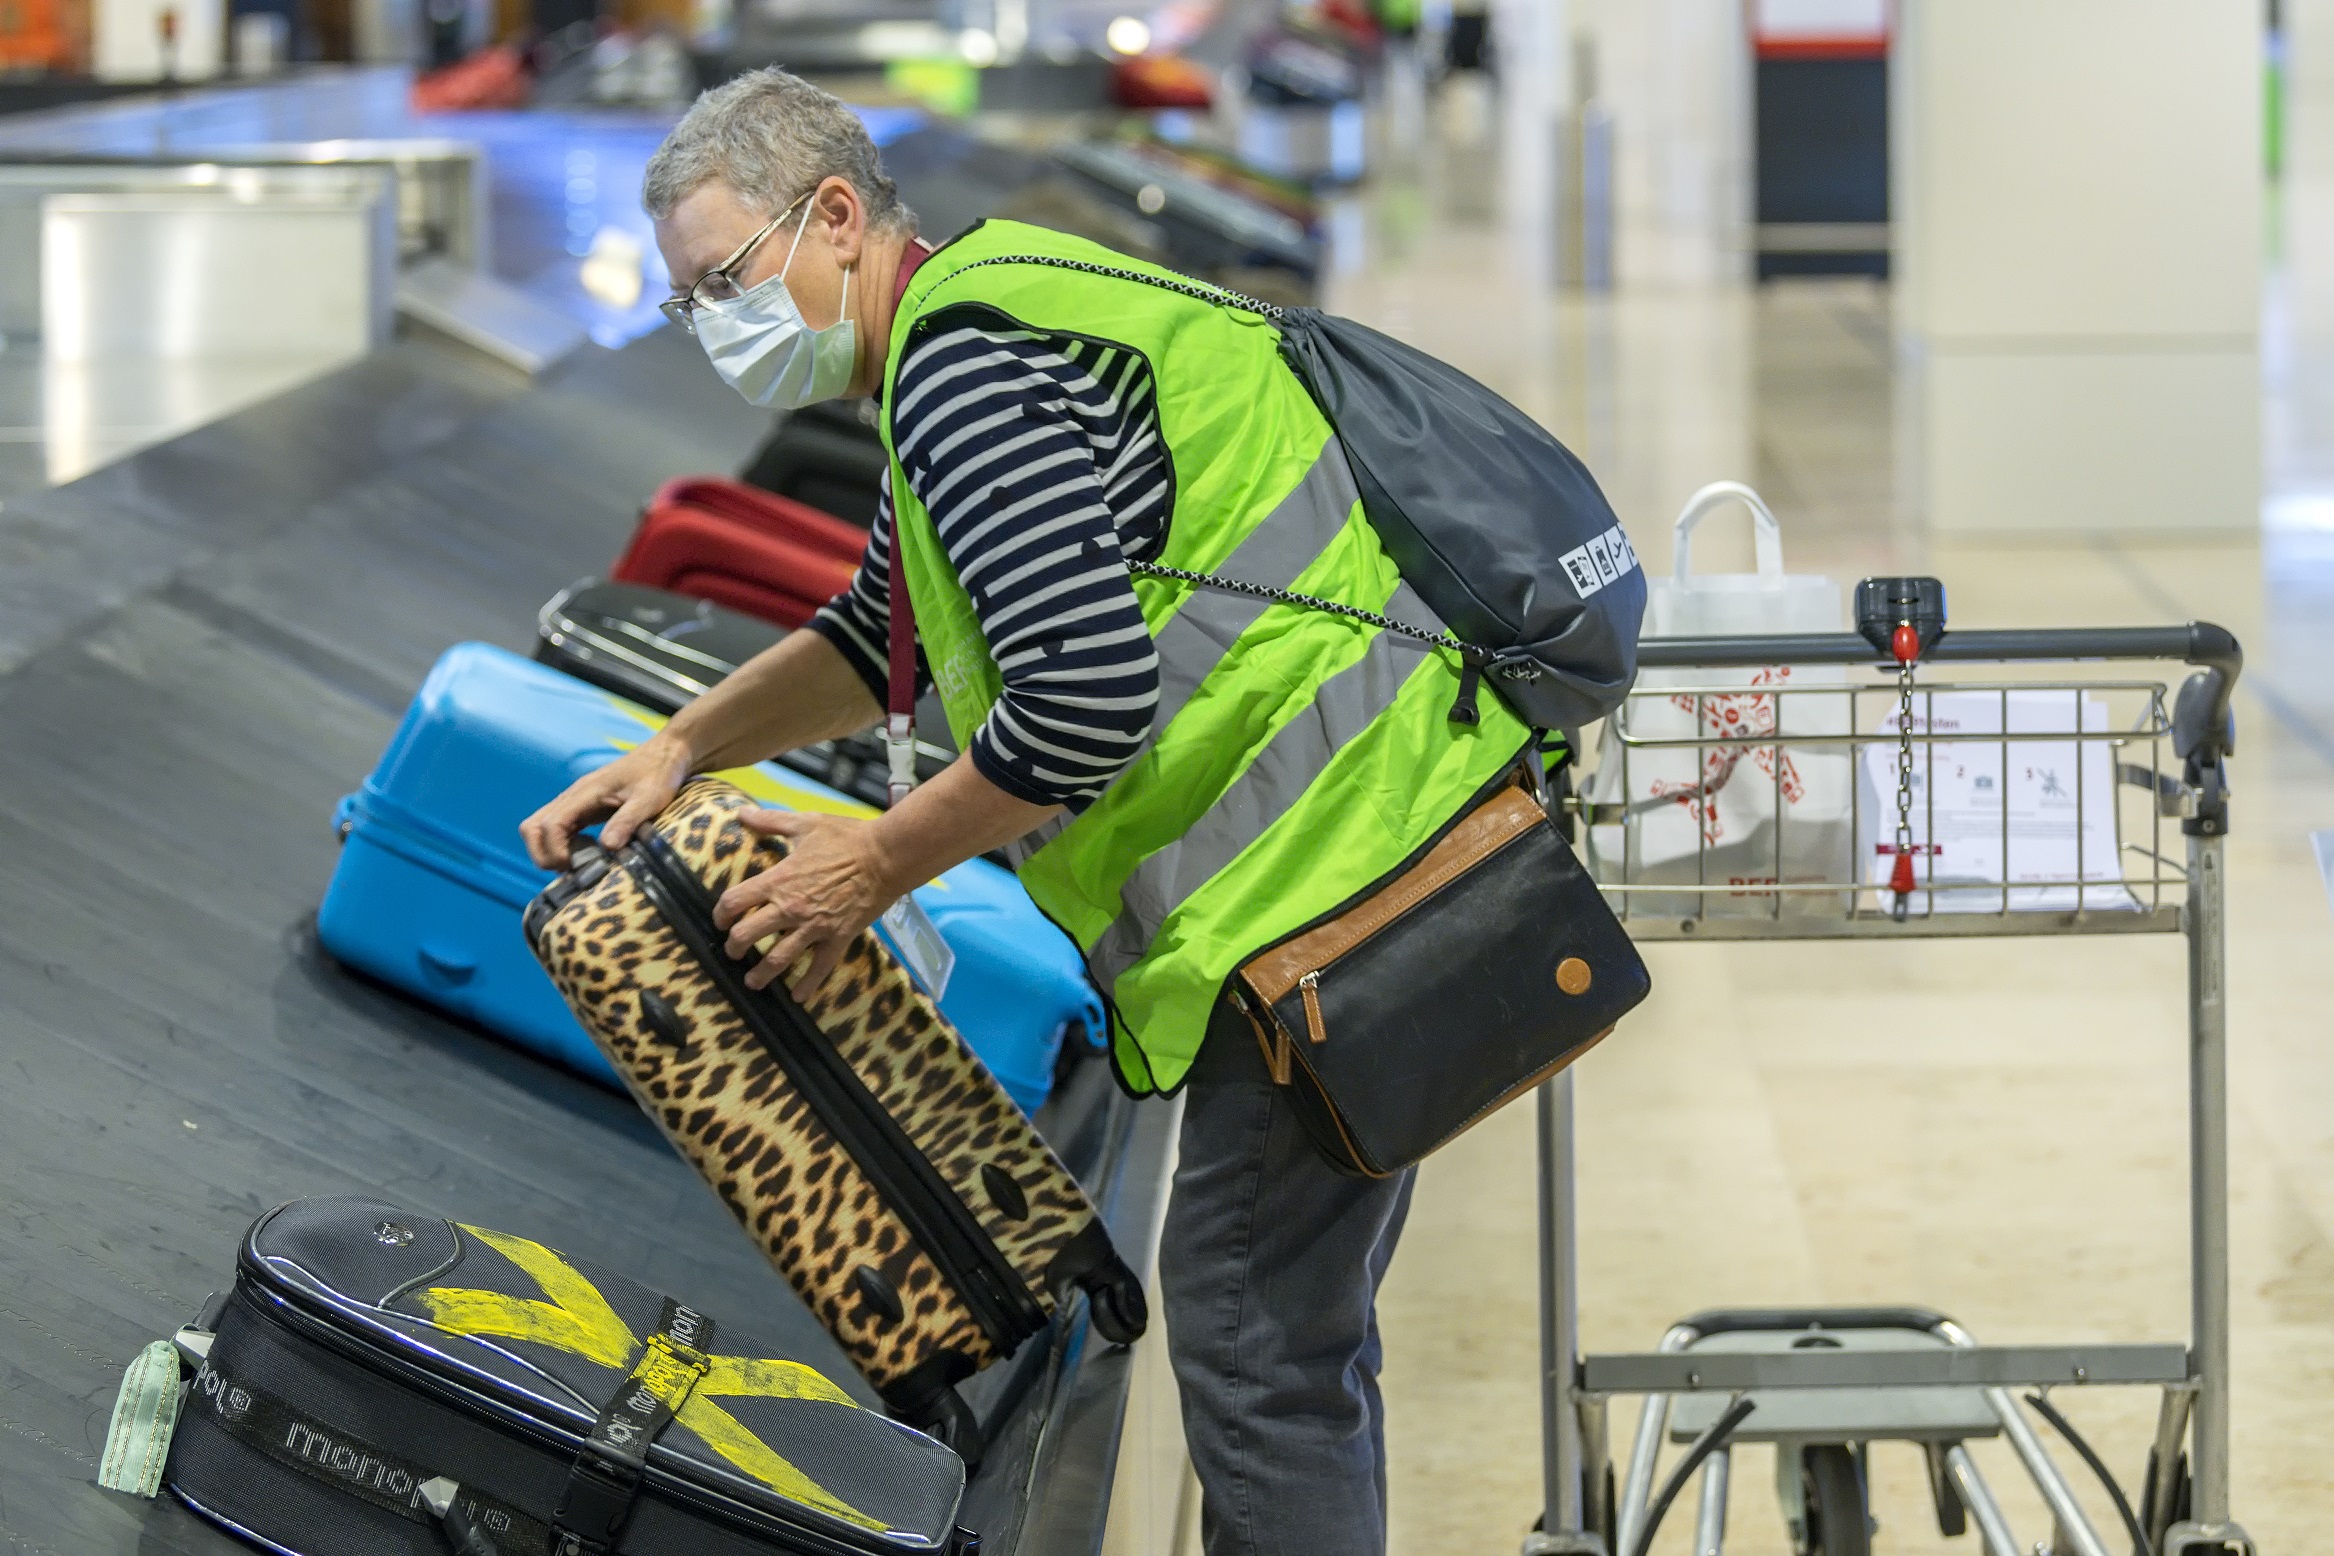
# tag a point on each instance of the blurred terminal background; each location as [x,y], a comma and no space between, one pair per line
[2034,295]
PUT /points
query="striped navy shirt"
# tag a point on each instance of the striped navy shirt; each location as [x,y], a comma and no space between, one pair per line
[1040,461]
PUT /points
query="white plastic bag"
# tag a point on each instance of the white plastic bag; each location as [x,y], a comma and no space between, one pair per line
[1741,816]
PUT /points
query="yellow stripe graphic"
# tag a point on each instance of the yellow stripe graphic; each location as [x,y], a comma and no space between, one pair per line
[578,1320]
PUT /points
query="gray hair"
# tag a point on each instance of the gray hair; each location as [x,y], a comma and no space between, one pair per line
[772,137]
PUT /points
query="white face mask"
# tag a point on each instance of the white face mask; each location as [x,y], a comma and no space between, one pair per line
[759,344]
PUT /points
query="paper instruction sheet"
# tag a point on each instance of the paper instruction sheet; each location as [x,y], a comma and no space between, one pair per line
[2038,814]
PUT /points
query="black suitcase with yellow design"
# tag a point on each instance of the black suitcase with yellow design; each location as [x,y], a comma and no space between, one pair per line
[857,1138]
[385,1384]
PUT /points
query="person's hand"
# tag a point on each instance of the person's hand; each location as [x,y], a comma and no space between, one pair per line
[630,790]
[833,883]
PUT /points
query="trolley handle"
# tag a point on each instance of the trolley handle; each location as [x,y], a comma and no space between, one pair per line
[2201,724]
[1737,1320]
[2197,643]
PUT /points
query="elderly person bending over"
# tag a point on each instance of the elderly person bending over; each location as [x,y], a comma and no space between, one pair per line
[1185,776]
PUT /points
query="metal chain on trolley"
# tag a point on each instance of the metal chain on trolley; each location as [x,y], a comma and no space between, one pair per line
[1902,617]
[1905,644]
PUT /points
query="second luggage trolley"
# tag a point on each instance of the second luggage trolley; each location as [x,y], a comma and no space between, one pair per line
[1823,1383]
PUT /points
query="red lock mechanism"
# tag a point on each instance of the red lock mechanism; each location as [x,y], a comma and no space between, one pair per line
[1900,875]
[1900,879]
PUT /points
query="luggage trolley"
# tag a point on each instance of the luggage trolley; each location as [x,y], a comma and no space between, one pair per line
[1822,1383]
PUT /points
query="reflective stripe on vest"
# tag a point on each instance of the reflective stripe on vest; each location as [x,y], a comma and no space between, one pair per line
[1344,705]
[1299,528]
[1194,640]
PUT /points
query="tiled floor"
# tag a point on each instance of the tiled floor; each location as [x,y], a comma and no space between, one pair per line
[1994,1128]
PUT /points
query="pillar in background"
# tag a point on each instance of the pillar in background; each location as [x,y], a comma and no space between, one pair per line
[2300,472]
[2306,221]
[1534,43]
[1675,76]
[158,40]
[2078,261]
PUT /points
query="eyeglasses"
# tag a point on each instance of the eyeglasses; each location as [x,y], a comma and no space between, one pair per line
[719,285]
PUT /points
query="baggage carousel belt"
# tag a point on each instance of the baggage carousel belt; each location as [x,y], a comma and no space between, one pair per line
[201,649]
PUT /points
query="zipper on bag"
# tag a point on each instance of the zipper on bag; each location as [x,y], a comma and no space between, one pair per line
[942,1226]
[1271,1036]
[1316,1024]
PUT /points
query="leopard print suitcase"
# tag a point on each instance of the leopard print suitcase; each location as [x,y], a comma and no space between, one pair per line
[883,1170]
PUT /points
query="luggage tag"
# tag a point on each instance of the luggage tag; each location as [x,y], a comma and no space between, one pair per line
[916,941]
[145,1415]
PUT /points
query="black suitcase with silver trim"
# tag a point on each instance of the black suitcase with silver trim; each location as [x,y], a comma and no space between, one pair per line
[662,649]
[379,1383]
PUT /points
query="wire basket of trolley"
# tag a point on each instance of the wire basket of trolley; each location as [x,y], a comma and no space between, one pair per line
[1980,783]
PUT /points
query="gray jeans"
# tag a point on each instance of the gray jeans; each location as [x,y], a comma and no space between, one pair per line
[1270,1263]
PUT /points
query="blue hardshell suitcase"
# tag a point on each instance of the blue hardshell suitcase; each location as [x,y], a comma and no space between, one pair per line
[433,878]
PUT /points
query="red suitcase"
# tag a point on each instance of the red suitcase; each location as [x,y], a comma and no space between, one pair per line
[742,547]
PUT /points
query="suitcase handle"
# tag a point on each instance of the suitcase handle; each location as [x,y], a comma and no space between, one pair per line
[451,967]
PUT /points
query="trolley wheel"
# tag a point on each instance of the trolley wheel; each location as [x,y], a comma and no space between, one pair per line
[1952,1517]
[1600,1517]
[2178,1510]
[1839,1523]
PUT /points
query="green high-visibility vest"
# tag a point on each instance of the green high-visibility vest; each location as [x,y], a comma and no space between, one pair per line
[1296,756]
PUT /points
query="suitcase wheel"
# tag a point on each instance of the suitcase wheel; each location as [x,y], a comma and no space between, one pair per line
[1121,1311]
[946,1416]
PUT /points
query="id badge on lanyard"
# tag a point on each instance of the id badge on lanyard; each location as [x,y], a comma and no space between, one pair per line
[916,941]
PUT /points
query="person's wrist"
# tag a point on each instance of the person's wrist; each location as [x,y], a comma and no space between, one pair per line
[672,743]
[882,863]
